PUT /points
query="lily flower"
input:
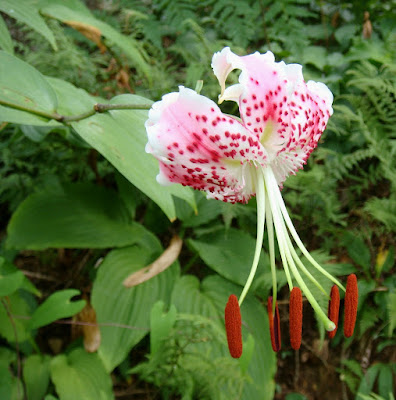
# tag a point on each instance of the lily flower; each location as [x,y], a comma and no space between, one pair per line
[282,118]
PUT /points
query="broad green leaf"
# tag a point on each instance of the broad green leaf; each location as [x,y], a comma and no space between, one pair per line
[6,269]
[125,312]
[315,55]
[17,304]
[58,305]
[208,299]
[24,86]
[5,38]
[77,216]
[70,14]
[36,376]
[357,250]
[385,381]
[120,136]
[24,11]
[5,381]
[161,324]
[10,283]
[345,33]
[229,253]
[80,375]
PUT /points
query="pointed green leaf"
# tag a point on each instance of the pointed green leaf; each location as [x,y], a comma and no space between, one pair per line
[5,38]
[80,375]
[58,305]
[125,312]
[76,13]
[161,324]
[24,11]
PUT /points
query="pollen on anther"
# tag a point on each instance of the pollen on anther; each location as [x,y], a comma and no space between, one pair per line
[295,317]
[333,309]
[233,325]
[350,305]
[274,325]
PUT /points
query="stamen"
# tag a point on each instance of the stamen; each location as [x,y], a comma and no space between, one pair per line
[333,309]
[295,317]
[274,323]
[350,305]
[233,325]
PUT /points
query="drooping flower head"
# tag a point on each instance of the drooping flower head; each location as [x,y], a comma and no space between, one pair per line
[282,118]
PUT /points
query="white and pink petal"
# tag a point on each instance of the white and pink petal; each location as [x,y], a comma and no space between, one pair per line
[199,146]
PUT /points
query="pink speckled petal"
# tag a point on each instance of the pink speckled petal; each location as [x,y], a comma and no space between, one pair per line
[199,146]
[287,115]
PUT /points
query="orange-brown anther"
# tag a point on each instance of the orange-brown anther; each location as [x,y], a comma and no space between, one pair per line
[274,324]
[233,325]
[295,317]
[350,306]
[333,309]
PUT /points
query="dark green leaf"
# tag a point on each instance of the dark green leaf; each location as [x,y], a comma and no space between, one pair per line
[78,216]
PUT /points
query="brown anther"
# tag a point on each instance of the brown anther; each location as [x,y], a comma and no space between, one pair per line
[350,305]
[233,325]
[274,324]
[295,317]
[333,309]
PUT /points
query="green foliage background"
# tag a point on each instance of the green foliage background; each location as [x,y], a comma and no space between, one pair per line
[81,210]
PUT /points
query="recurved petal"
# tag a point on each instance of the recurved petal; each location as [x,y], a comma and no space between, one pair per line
[199,146]
[287,115]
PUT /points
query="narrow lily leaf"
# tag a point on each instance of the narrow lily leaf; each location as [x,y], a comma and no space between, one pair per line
[24,11]
[125,312]
[57,306]
[80,375]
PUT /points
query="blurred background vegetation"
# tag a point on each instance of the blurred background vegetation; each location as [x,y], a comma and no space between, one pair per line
[75,226]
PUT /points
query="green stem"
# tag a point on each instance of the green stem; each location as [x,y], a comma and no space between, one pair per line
[97,108]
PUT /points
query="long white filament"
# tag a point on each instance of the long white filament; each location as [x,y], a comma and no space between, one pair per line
[285,245]
[260,198]
[292,230]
